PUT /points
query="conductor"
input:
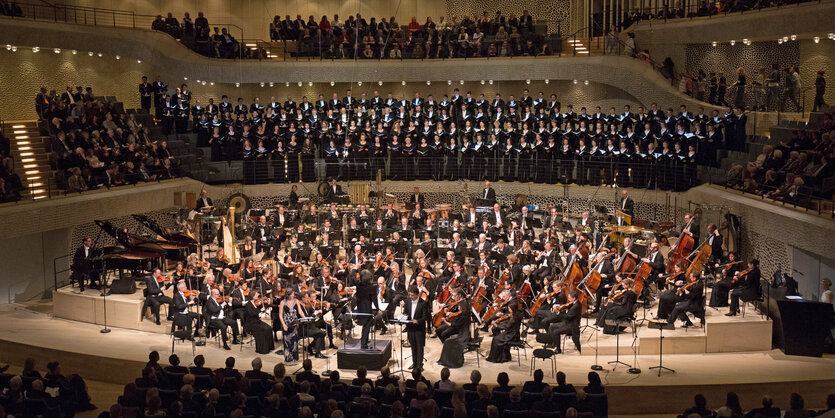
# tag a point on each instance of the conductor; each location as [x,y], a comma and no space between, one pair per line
[366,300]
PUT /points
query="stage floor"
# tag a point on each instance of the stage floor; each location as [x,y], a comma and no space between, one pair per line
[118,357]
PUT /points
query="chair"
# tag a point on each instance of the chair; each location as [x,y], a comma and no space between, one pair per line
[565,400]
[174,380]
[473,346]
[528,398]
[598,403]
[519,345]
[753,303]
[548,414]
[202,382]
[354,391]
[470,396]
[500,399]
[180,333]
[585,415]
[408,395]
[447,412]
[478,413]
[385,410]
[515,414]
[544,354]
[442,397]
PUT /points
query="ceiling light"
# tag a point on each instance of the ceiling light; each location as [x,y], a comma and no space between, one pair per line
[271,83]
[74,52]
[482,82]
[57,50]
[332,83]
[310,84]
[733,42]
[118,57]
[586,82]
[794,37]
[100,54]
[203,83]
[547,81]
[402,83]
[461,82]
[714,43]
[300,83]
[817,39]
[35,49]
[527,81]
[359,83]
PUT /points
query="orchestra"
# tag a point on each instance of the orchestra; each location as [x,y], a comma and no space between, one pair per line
[446,274]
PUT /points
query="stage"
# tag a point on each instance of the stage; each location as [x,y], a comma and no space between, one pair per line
[728,354]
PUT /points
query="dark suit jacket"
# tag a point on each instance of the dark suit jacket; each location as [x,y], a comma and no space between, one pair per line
[413,200]
[629,208]
[493,216]
[491,194]
[421,314]
[332,196]
[573,315]
[200,204]
[366,299]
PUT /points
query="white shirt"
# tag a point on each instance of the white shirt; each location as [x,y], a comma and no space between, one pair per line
[485,193]
[185,310]
[220,314]
[498,217]
[413,308]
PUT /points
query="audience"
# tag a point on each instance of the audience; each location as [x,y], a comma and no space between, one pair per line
[59,394]
[700,9]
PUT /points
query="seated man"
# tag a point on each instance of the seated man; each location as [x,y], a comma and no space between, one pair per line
[570,324]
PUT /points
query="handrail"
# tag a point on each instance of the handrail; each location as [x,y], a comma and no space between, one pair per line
[56,272]
[692,10]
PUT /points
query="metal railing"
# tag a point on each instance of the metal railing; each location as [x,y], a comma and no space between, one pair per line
[66,262]
[659,11]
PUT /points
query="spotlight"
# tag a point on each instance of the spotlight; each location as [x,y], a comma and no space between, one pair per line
[309,84]
[461,82]
[449,82]
[586,82]
[57,50]
[547,81]
[733,42]
[402,83]
[271,83]
[817,39]
[714,43]
[794,37]
[100,54]
[262,84]
[379,83]
[237,84]
[74,52]
[482,82]
[118,57]
[332,83]
[527,81]
[428,83]
[35,49]
[359,83]
[575,81]
[203,82]
[299,83]
[90,53]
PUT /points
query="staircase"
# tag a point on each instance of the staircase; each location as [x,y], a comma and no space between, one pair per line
[31,153]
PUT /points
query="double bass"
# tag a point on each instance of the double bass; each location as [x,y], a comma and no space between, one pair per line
[701,256]
[684,246]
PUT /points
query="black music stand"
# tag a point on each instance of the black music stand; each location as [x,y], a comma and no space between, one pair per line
[616,324]
[301,323]
[661,326]
[400,323]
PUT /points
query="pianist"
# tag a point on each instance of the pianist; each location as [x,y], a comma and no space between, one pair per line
[82,265]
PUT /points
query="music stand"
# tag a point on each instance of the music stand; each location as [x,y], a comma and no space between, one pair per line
[303,338]
[661,326]
[616,324]
[400,323]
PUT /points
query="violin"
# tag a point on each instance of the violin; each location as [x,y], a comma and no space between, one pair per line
[742,273]
[680,292]
[224,259]
[561,307]
[221,299]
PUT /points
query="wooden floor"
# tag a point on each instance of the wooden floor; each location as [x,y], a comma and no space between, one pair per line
[117,358]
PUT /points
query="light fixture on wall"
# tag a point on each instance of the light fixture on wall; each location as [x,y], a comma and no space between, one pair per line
[309,84]
[575,81]
[586,82]
[380,83]
[831,36]
[118,57]
[211,83]
[139,61]
[449,82]
[8,47]
[547,81]
[490,81]
[237,84]
[733,42]
[428,83]
[35,49]
[785,39]
[90,53]
[271,83]
[714,43]
[359,83]
[817,39]
[299,83]
[203,82]
[527,81]
[780,41]
[402,83]
[100,54]
[198,81]
[482,82]
[262,84]
[332,83]
[185,78]
[794,37]
[461,82]
[57,50]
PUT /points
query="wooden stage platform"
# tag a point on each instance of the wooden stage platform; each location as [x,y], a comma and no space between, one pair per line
[37,330]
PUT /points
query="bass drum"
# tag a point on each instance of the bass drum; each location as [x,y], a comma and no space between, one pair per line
[322,189]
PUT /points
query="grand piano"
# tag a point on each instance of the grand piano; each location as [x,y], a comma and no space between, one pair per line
[175,243]
[131,252]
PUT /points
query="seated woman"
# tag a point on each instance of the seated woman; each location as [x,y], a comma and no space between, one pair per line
[722,288]
[260,330]
[505,331]
[619,305]
[455,331]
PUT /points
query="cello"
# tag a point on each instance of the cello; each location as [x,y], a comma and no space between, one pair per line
[540,300]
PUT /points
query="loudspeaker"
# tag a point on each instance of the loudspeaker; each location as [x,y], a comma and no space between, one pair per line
[123,287]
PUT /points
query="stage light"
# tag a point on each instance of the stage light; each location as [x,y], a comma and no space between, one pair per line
[309,84]
[714,43]
[402,83]
[428,83]
[817,39]
[271,83]
[35,49]
[237,84]
[74,52]
[794,37]
[379,83]
[57,50]
[299,83]
[90,53]
[359,83]
[547,81]
[262,84]
[118,57]
[575,81]
[527,81]
[733,42]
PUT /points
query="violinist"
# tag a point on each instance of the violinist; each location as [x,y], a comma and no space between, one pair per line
[247,248]
[607,277]
[214,311]
[458,246]
[325,283]
[505,330]
[715,241]
[220,261]
[747,286]
[568,323]
[547,313]
[298,279]
[384,299]
[722,287]
[278,292]
[154,286]
[546,261]
[447,270]
[619,305]
[516,277]
[180,273]
[285,269]
[183,317]
[396,284]
[454,330]
[667,301]
[380,265]
[316,308]
[260,330]
[691,301]
[357,258]
[240,296]
[417,312]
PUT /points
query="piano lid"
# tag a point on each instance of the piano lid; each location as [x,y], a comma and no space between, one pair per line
[166,233]
[131,242]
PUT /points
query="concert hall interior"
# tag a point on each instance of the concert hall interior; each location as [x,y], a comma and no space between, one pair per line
[565,208]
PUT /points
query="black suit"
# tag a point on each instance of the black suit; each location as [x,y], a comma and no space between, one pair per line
[155,298]
[416,333]
[495,219]
[333,194]
[416,199]
[366,299]
[82,265]
[488,194]
[627,207]
[200,204]
[570,324]
[212,311]
[182,316]
[748,289]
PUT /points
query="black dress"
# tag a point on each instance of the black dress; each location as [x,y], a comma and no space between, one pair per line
[260,330]
[452,354]
[292,163]
[279,166]
[621,308]
[506,332]
[307,161]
